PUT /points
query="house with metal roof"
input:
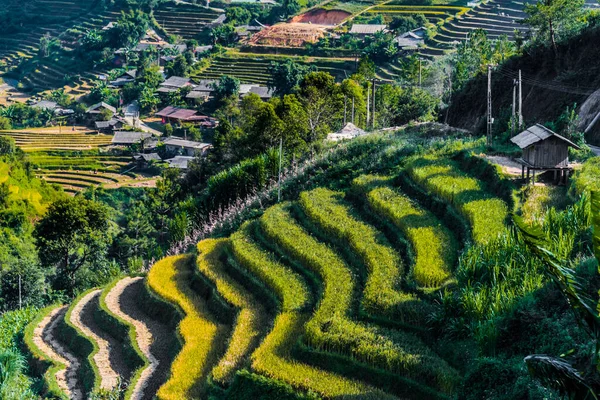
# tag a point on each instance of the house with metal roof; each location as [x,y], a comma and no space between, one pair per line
[180,162]
[411,40]
[366,29]
[127,138]
[176,145]
[173,84]
[544,150]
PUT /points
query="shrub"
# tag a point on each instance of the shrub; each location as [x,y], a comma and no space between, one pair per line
[434,246]
[381,296]
[249,386]
[272,358]
[331,329]
[485,213]
[169,278]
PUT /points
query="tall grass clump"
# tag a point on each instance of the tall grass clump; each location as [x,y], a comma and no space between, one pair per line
[435,248]
[331,328]
[588,177]
[273,357]
[169,279]
[333,215]
[17,327]
[494,276]
[486,214]
[250,321]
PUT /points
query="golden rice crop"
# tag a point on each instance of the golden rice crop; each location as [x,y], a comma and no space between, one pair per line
[435,247]
[272,358]
[388,349]
[250,321]
[486,214]
[381,294]
[170,278]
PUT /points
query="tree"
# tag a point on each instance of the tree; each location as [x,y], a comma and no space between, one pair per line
[290,7]
[129,29]
[238,16]
[223,34]
[72,235]
[226,87]
[403,24]
[178,67]
[550,18]
[5,123]
[148,100]
[286,76]
[322,102]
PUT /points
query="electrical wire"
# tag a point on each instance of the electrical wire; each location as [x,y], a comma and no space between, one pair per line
[554,86]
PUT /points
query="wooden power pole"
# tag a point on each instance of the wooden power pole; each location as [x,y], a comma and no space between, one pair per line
[520,101]
[373,100]
[490,119]
[368,105]
[513,118]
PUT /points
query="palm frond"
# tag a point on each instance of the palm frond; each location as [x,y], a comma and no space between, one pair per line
[560,375]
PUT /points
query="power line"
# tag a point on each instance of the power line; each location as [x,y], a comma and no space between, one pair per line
[554,86]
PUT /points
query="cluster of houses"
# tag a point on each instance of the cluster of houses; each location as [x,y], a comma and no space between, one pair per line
[408,41]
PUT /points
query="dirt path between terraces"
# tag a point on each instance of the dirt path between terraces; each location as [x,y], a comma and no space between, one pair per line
[45,338]
[109,359]
[150,334]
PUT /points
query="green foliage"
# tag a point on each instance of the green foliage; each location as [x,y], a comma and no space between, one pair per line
[129,29]
[286,76]
[238,15]
[403,23]
[226,87]
[552,19]
[74,234]
[249,386]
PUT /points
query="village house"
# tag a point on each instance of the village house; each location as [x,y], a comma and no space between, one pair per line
[262,91]
[544,150]
[411,40]
[99,111]
[145,160]
[110,126]
[174,83]
[128,138]
[179,146]
[364,30]
[174,115]
[180,162]
[202,91]
[124,78]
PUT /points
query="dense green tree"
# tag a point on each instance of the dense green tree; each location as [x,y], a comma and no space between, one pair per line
[403,23]
[7,146]
[551,18]
[74,234]
[129,29]
[238,16]
[178,67]
[287,75]
[5,123]
[226,87]
[223,34]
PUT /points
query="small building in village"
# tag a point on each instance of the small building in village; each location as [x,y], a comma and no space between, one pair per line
[179,162]
[179,146]
[411,40]
[110,126]
[177,115]
[125,78]
[544,150]
[99,111]
[128,138]
[364,30]
[173,84]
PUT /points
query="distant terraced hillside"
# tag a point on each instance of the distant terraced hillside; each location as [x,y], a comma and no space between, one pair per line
[253,68]
[184,20]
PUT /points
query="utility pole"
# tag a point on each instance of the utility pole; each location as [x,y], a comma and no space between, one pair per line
[353,109]
[490,120]
[20,298]
[520,101]
[513,119]
[280,162]
[368,105]
[420,72]
[373,100]
[345,109]
[449,96]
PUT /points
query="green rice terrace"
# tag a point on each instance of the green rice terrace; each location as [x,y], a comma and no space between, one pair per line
[184,20]
[253,68]
[325,295]
[75,160]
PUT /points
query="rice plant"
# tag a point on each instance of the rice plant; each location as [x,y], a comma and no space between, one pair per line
[486,214]
[170,278]
[250,320]
[328,210]
[434,246]
[331,328]
[273,357]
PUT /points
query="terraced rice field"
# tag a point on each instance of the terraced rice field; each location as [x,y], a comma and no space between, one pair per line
[46,139]
[70,18]
[434,14]
[253,68]
[314,293]
[185,20]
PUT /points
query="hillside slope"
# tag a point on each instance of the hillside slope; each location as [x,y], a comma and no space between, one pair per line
[550,84]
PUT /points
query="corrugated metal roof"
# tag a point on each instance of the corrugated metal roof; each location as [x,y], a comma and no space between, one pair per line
[366,28]
[535,134]
[125,137]
[175,141]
